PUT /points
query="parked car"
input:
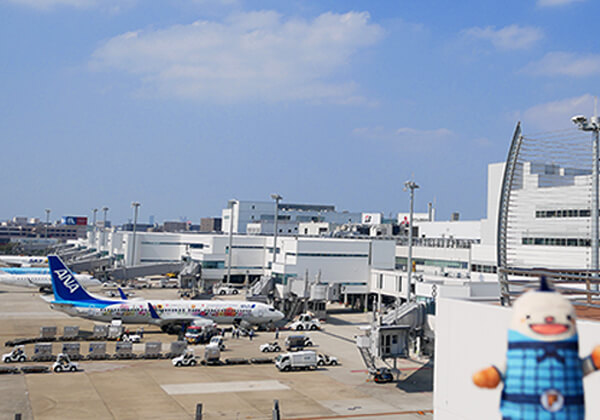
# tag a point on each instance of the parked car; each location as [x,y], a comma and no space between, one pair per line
[297,342]
[326,360]
[64,364]
[305,322]
[17,355]
[296,360]
[270,347]
[186,359]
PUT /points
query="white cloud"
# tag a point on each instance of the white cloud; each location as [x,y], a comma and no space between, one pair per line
[566,64]
[255,55]
[513,37]
[553,3]
[557,114]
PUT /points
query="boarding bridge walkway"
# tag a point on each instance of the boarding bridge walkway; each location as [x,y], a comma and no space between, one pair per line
[262,286]
[126,273]
[411,314]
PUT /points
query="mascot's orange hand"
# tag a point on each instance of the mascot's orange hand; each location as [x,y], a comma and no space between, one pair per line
[596,357]
[487,378]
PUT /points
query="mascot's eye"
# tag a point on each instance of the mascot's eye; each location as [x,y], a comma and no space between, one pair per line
[528,317]
[569,318]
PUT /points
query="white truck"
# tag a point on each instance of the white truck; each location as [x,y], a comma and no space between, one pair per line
[296,360]
[305,322]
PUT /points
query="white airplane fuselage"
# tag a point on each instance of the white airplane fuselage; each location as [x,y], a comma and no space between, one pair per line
[42,280]
[137,311]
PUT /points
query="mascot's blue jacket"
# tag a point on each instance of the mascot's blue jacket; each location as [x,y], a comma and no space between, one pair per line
[543,380]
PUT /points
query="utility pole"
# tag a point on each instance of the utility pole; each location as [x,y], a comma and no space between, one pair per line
[135,206]
[410,185]
[593,125]
[277,198]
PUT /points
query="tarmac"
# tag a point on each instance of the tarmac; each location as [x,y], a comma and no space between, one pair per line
[154,389]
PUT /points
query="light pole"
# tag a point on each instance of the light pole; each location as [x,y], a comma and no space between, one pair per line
[105,210]
[230,249]
[592,125]
[277,198]
[47,221]
[135,206]
[94,211]
[412,186]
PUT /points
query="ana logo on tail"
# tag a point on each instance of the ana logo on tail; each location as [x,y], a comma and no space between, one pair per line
[67,279]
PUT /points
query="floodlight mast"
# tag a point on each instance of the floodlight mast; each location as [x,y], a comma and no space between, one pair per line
[412,186]
[277,198]
[593,125]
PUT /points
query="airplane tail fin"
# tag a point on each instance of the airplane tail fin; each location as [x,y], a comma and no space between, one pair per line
[122,293]
[64,283]
[153,313]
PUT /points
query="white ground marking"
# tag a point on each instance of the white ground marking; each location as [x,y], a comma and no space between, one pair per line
[221,387]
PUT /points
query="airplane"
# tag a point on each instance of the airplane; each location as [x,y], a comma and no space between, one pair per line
[37,277]
[23,261]
[170,315]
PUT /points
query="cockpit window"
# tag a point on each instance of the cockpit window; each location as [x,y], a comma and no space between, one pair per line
[271,309]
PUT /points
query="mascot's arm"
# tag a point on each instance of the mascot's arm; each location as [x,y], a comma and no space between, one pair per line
[592,362]
[488,378]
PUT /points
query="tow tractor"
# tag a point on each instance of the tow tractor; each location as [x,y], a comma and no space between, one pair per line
[17,355]
[326,360]
[270,347]
[305,322]
[186,359]
[63,364]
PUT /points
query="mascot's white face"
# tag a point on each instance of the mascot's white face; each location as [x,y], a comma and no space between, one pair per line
[544,316]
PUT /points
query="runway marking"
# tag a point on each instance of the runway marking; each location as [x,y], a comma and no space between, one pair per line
[222,387]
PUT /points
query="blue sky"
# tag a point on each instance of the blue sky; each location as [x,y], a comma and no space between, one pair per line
[182,105]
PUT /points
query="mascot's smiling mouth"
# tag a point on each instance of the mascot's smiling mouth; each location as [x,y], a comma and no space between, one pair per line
[549,329]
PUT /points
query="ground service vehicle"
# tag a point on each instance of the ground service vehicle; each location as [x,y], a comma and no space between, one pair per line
[218,340]
[17,355]
[225,290]
[186,359]
[296,360]
[63,364]
[326,360]
[305,322]
[382,375]
[212,354]
[297,342]
[270,347]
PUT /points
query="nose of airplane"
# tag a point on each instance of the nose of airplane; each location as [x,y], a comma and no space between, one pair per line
[278,315]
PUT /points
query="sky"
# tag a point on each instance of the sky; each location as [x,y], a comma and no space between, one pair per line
[182,105]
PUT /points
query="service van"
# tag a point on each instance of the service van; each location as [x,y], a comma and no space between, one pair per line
[296,360]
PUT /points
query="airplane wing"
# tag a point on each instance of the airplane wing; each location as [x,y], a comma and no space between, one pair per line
[165,319]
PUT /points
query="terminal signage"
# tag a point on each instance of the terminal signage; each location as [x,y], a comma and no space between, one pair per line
[75,220]
[371,218]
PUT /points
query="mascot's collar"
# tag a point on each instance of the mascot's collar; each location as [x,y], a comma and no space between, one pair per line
[514,335]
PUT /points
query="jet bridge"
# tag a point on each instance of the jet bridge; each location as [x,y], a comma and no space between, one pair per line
[397,334]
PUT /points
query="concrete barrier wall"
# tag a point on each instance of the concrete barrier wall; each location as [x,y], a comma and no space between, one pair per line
[471,336]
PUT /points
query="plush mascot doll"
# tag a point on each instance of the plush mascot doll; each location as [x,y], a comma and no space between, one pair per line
[543,375]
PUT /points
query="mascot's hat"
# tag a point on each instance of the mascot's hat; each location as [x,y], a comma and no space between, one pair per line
[545,285]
